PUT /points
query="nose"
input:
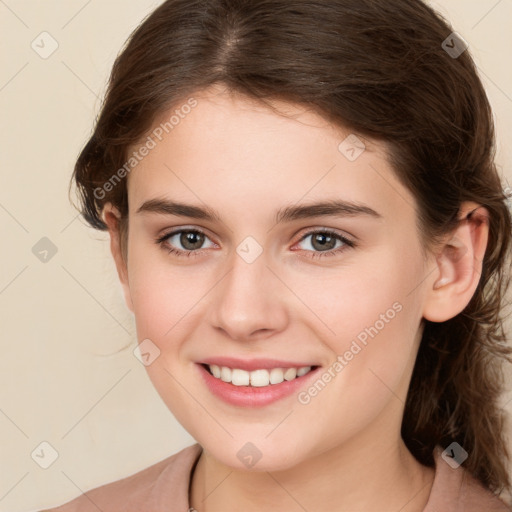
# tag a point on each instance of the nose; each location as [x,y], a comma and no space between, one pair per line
[249,303]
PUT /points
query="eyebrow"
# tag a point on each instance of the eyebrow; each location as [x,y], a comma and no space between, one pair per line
[335,208]
[166,207]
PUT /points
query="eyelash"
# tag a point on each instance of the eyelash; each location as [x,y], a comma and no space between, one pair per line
[315,254]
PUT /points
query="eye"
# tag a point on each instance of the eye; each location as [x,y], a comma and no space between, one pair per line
[326,243]
[323,242]
[191,240]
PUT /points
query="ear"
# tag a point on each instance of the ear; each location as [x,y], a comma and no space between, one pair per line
[111,216]
[458,265]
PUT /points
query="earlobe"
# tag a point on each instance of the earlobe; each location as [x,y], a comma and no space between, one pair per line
[111,217]
[459,265]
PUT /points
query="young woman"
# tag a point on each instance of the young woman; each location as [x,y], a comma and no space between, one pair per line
[311,233]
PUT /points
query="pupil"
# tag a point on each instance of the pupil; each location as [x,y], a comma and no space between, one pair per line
[191,238]
[324,240]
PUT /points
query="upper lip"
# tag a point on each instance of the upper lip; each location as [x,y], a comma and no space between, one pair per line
[253,364]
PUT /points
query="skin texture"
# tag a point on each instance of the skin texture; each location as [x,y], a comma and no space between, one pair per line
[342,450]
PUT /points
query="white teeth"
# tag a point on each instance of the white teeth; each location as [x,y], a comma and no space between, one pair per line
[257,378]
[276,376]
[215,370]
[240,377]
[260,378]
[290,373]
[225,374]
[302,371]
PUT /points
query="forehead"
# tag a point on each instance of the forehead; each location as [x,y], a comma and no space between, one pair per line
[219,147]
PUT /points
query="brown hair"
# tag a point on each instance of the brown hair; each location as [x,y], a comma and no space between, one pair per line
[379,69]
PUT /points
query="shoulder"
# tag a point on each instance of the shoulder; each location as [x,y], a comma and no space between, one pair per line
[455,489]
[164,482]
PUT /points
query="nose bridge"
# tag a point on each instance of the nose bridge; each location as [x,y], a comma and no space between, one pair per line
[244,303]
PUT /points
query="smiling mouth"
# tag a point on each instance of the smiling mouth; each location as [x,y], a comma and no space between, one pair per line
[256,378]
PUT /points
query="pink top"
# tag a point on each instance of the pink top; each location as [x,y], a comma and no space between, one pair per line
[164,487]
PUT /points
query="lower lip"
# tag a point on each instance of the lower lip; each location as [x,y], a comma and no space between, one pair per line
[248,396]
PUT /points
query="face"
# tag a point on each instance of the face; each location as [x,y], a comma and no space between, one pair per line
[246,273]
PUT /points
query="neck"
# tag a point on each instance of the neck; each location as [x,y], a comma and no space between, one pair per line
[349,477]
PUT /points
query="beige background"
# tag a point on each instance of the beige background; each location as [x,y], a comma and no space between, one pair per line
[68,374]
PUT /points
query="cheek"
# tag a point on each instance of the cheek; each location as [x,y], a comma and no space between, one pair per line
[167,308]
[164,296]
[373,319]
[373,293]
